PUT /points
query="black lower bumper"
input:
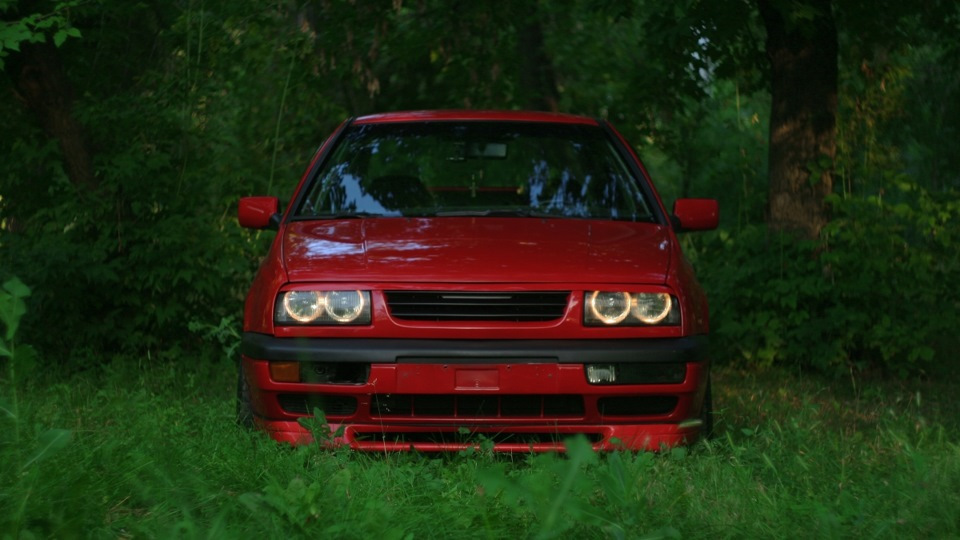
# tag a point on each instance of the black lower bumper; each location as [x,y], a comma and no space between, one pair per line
[449,351]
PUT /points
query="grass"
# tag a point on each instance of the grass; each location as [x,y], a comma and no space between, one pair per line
[141,449]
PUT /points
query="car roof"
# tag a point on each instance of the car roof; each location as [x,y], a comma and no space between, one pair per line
[472,115]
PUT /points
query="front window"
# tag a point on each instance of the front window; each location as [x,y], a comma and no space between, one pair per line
[476,169]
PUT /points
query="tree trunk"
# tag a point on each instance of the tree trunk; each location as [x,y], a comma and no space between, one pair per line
[803,72]
[42,83]
[537,79]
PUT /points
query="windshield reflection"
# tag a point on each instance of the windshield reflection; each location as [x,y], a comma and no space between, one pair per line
[490,168]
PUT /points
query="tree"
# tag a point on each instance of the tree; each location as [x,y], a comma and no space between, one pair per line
[802,49]
[44,87]
[33,38]
[536,73]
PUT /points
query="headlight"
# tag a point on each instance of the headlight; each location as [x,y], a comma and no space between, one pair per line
[322,307]
[609,308]
[651,308]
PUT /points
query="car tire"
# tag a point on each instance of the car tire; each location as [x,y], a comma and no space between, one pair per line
[706,412]
[244,411]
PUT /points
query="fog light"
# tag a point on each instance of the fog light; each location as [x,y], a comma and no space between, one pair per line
[601,373]
[285,371]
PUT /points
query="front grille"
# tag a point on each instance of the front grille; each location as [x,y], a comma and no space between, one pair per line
[331,405]
[485,406]
[530,306]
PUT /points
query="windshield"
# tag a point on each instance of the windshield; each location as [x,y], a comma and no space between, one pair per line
[475,169]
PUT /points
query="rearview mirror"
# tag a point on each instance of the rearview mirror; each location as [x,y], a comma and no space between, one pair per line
[695,214]
[259,212]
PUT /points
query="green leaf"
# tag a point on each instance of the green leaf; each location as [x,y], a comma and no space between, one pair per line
[252,501]
[51,441]
[11,310]
[579,450]
[16,288]
[923,352]
[12,34]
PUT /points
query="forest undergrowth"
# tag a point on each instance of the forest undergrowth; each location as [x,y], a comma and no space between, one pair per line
[141,447]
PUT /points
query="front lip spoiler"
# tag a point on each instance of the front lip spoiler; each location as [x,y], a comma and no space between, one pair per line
[633,437]
[390,351]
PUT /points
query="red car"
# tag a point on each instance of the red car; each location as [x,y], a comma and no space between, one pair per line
[447,277]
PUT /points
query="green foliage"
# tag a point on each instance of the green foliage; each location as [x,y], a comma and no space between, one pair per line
[901,275]
[153,453]
[35,27]
[876,293]
[12,308]
[23,446]
[146,274]
[157,247]
[188,106]
[932,97]
[717,150]
[226,334]
[554,490]
[767,300]
[873,293]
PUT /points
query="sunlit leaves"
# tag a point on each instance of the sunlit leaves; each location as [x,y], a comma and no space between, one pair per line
[35,27]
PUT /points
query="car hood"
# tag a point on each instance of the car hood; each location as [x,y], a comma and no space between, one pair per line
[473,250]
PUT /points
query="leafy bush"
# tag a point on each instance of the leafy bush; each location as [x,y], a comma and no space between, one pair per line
[131,267]
[128,267]
[877,292]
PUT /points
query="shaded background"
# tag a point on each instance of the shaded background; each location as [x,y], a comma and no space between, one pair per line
[826,129]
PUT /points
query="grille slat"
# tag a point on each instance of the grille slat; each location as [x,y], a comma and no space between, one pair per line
[529,306]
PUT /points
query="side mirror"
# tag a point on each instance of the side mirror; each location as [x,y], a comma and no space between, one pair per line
[695,214]
[259,212]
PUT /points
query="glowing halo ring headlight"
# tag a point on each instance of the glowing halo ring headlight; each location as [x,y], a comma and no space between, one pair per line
[651,308]
[303,306]
[609,307]
[624,308]
[331,308]
[344,306]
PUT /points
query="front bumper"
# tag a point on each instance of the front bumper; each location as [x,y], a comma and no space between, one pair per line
[520,395]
